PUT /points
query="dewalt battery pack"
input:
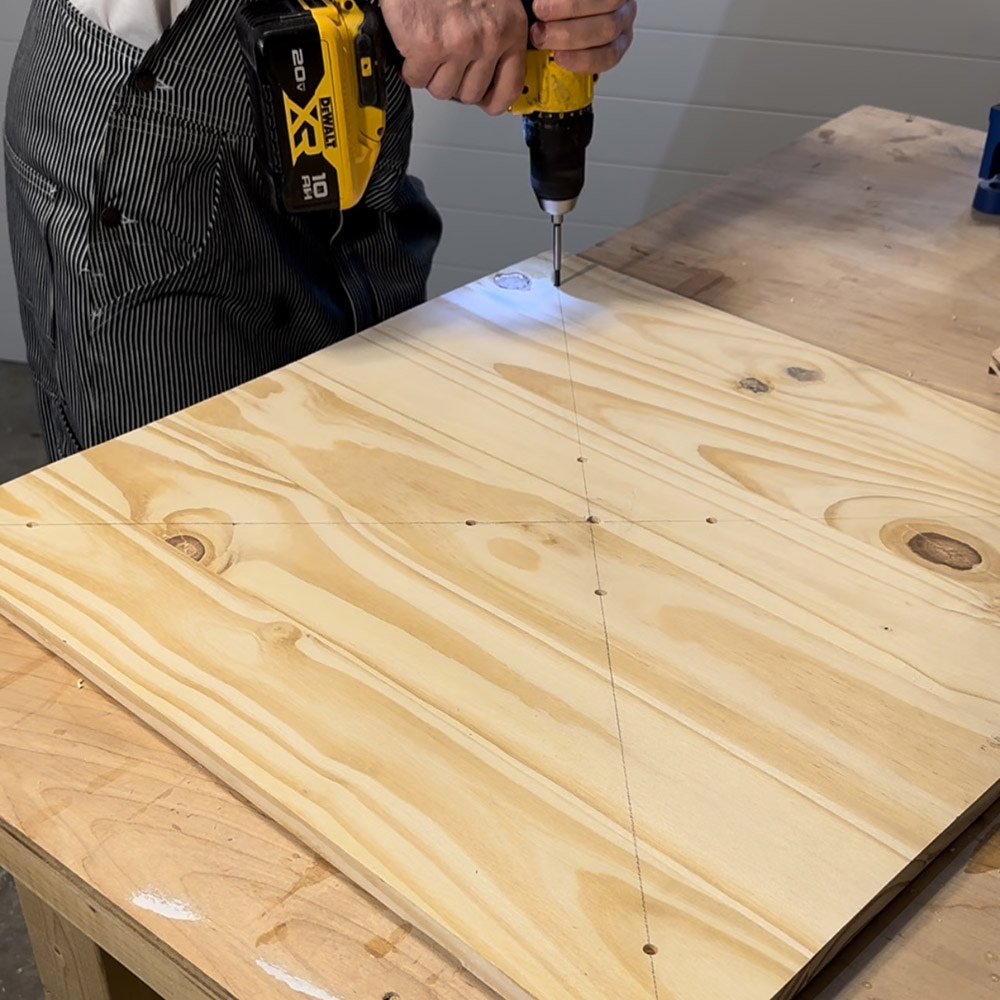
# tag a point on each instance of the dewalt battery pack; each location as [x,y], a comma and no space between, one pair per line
[317,74]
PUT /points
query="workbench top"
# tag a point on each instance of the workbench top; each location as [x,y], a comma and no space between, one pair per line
[857,237]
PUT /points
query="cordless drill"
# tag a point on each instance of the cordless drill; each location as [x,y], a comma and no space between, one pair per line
[558,109]
[317,71]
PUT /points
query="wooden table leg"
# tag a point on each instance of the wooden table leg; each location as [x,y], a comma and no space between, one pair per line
[71,966]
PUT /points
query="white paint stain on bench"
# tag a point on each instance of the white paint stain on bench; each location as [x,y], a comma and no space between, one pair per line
[172,909]
[296,983]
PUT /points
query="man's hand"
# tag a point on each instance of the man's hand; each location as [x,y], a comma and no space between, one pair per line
[472,50]
[587,36]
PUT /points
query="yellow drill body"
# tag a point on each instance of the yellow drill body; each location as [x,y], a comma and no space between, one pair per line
[550,89]
[558,111]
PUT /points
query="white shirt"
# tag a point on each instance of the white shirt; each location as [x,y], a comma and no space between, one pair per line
[140,22]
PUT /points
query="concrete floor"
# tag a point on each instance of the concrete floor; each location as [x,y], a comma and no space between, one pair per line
[20,451]
[21,447]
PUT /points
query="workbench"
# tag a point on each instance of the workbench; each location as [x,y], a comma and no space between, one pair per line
[131,861]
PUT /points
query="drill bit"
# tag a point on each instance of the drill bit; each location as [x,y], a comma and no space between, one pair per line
[557,249]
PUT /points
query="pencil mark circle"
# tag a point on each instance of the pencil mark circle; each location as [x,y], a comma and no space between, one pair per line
[512,281]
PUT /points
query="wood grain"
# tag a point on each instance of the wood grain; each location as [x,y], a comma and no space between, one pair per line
[591,742]
[858,237]
[74,763]
[937,939]
[89,795]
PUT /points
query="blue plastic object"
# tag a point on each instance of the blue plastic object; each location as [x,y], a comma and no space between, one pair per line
[987,197]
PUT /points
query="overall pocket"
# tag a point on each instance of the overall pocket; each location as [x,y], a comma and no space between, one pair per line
[158,200]
[31,202]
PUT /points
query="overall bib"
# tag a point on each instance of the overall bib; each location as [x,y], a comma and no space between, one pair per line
[153,270]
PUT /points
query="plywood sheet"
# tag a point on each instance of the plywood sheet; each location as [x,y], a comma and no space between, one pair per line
[625,647]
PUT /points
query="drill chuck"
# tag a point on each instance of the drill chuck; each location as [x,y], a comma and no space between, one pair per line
[557,142]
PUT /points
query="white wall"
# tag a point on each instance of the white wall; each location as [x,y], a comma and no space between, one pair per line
[710,85]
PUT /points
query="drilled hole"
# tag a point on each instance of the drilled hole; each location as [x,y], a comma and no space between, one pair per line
[650,949]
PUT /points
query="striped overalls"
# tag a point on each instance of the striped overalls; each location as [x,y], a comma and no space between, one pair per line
[152,269]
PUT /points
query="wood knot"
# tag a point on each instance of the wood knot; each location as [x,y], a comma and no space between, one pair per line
[281,632]
[193,548]
[754,384]
[804,374]
[941,546]
[943,550]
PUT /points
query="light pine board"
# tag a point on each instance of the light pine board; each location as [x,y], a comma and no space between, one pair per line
[667,722]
